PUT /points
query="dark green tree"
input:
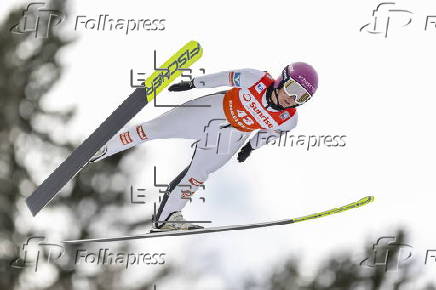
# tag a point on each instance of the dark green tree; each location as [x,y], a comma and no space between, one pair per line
[29,68]
[344,272]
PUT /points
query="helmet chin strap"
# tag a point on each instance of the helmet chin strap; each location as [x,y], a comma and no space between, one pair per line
[272,104]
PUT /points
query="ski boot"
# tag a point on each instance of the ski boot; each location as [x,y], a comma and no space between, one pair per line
[99,155]
[175,222]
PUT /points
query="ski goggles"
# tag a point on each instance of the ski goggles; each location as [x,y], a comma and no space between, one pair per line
[293,89]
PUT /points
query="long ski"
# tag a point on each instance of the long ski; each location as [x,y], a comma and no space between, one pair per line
[158,80]
[359,203]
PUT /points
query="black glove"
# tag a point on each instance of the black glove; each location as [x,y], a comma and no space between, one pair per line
[182,86]
[244,152]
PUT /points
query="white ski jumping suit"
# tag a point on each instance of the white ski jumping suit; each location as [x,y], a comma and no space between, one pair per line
[221,128]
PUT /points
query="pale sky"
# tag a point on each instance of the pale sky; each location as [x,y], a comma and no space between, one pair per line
[379,92]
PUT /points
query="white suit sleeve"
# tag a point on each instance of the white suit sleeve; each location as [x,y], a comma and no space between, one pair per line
[243,78]
[265,136]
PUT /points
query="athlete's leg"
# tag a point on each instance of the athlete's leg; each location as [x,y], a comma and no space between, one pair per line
[180,122]
[205,161]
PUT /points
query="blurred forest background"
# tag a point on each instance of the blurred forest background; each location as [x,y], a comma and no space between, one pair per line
[29,68]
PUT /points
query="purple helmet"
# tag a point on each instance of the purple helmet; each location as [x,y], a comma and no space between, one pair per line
[302,73]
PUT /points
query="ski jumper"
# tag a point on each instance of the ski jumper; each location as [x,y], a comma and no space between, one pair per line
[221,129]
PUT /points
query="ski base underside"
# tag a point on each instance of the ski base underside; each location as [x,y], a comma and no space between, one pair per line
[171,69]
[356,204]
[81,155]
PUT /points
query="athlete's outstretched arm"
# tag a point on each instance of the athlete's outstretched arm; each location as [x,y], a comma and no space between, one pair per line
[242,78]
